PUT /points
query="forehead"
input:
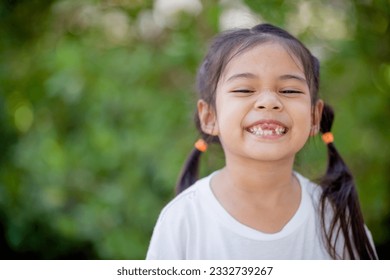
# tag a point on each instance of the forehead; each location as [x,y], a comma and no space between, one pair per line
[264,59]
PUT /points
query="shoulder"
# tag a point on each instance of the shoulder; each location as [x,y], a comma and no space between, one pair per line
[187,201]
[177,219]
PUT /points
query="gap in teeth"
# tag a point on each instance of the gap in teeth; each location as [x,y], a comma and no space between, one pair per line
[258,131]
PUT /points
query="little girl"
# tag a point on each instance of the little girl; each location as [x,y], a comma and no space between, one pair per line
[258,98]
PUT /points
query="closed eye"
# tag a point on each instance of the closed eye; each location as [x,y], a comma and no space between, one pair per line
[243,91]
[290,91]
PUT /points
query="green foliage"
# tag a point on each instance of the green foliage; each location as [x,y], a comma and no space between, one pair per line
[96,106]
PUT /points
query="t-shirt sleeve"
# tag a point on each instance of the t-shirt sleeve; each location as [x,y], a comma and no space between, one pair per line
[167,242]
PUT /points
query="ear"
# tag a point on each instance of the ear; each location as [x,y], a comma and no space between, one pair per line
[208,118]
[316,117]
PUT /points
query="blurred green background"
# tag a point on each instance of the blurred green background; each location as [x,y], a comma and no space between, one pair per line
[97,101]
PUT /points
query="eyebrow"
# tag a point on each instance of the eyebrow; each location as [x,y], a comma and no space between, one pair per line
[248,75]
[294,77]
[242,75]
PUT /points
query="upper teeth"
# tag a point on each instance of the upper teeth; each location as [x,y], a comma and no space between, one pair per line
[265,132]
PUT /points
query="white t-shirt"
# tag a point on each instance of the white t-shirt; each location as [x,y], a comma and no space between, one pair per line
[194,225]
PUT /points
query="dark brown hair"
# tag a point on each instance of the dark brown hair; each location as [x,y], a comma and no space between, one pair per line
[338,186]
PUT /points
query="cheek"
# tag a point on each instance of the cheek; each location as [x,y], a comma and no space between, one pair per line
[306,120]
[230,112]
[303,116]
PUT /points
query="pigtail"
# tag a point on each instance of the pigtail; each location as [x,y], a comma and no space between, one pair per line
[339,189]
[190,171]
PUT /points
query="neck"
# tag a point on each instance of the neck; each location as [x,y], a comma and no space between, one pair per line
[263,196]
[259,176]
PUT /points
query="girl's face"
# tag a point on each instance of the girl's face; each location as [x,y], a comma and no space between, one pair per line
[263,106]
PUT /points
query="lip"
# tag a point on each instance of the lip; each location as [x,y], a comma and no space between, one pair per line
[265,121]
[269,122]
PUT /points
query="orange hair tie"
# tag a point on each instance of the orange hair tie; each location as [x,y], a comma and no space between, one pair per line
[328,137]
[201,145]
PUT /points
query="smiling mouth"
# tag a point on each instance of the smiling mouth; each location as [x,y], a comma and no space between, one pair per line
[267,129]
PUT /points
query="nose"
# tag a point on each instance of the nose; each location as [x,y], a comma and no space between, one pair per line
[268,100]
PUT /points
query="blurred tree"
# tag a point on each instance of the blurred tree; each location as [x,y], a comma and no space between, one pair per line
[96,106]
